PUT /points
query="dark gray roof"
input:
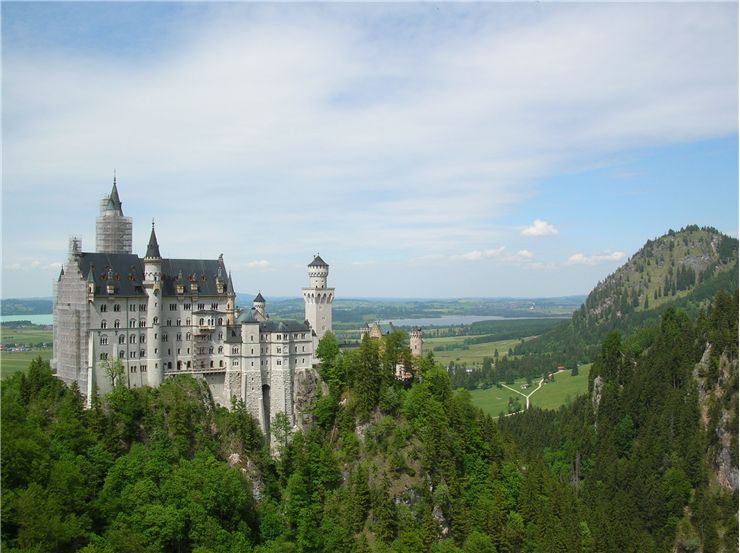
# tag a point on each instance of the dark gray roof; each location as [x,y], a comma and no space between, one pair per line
[127,272]
[203,272]
[283,326]
[247,315]
[318,262]
[126,268]
[259,298]
[152,250]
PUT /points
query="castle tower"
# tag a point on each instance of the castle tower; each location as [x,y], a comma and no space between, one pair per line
[153,288]
[113,231]
[364,331]
[318,298]
[416,340]
[259,305]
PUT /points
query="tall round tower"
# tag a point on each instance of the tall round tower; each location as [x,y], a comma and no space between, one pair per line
[153,288]
[113,230]
[416,340]
[318,298]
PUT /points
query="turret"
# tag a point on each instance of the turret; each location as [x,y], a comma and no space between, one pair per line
[416,340]
[259,304]
[364,331]
[153,288]
[318,298]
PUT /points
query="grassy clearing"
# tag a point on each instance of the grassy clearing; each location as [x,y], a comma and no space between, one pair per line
[26,335]
[472,354]
[494,401]
[12,362]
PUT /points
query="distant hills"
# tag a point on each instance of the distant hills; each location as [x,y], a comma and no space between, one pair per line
[682,268]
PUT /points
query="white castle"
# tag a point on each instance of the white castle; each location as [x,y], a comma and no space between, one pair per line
[161,317]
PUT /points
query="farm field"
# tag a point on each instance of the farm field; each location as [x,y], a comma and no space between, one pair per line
[12,362]
[29,335]
[494,401]
[472,354]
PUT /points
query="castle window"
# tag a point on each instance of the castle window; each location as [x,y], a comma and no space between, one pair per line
[303,334]
[132,355]
[179,365]
[279,362]
[169,322]
[104,340]
[121,339]
[210,350]
[132,307]
[132,339]
[187,322]
[221,363]
[201,306]
[202,365]
[188,364]
[220,321]
[142,368]
[132,323]
[279,336]
[116,307]
[188,351]
[220,335]
[173,307]
[235,363]
[103,356]
[280,350]
[116,324]
[235,350]
[252,351]
[186,307]
[103,324]
[187,336]
[179,321]
[156,320]
[164,337]
[169,365]
[211,364]
[121,354]
[142,307]
[103,308]
[202,321]
[142,353]
[156,351]
[303,348]
[132,369]
[142,323]
[142,339]
[179,337]
[220,349]
[178,351]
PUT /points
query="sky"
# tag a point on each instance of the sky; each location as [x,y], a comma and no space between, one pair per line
[423,149]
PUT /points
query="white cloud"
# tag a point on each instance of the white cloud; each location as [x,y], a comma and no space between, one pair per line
[35,264]
[540,228]
[477,255]
[260,265]
[581,259]
[525,254]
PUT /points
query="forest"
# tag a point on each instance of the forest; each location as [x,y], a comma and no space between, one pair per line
[388,467]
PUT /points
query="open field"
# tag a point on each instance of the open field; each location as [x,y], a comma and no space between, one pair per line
[12,362]
[550,396]
[472,354]
[26,335]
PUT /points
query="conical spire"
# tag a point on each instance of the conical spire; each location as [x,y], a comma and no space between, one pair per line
[61,274]
[259,298]
[114,200]
[152,250]
[90,276]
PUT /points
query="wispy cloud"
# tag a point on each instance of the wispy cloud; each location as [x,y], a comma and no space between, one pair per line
[540,228]
[525,254]
[260,265]
[477,255]
[581,259]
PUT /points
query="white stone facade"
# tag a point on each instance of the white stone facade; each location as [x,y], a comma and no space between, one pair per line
[162,317]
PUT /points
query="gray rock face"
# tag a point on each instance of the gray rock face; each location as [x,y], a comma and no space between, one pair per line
[596,394]
[306,386]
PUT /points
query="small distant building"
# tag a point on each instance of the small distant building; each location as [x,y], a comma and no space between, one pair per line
[416,340]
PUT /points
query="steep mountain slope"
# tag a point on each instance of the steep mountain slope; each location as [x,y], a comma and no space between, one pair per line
[681,269]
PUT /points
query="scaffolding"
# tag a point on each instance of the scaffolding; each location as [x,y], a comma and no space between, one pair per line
[113,230]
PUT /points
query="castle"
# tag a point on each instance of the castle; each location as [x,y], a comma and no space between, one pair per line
[157,317]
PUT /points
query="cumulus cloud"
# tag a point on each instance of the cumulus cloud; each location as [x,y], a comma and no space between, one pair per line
[525,254]
[540,228]
[581,259]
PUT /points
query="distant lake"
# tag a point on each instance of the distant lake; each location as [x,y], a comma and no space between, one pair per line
[46,319]
[451,320]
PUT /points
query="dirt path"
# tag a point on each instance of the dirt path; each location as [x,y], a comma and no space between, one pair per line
[526,396]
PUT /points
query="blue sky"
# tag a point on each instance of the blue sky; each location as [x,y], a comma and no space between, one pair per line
[426,150]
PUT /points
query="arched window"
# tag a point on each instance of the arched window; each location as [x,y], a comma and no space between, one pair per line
[104,340]
[187,336]
[103,324]
[116,324]
[202,321]
[220,349]
[132,339]
[132,323]
[116,307]
[122,339]
[220,321]
[156,320]
[188,364]
[121,354]
[103,308]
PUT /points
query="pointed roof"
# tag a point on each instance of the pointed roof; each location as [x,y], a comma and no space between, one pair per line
[61,274]
[90,276]
[229,285]
[152,250]
[259,298]
[114,201]
[318,262]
